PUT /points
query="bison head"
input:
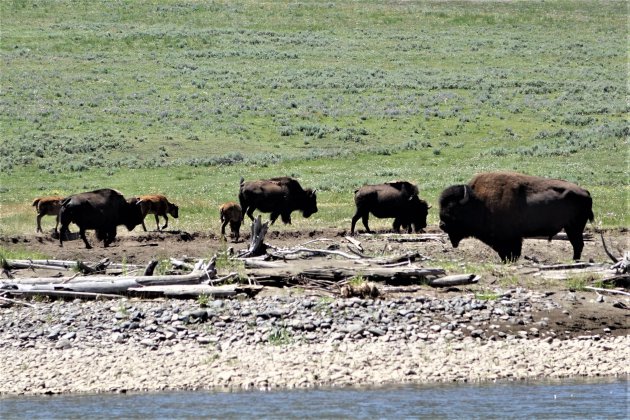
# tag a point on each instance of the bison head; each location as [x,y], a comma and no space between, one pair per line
[132,214]
[309,205]
[420,210]
[173,210]
[459,212]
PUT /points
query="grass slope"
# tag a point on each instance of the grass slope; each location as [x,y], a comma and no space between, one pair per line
[185,97]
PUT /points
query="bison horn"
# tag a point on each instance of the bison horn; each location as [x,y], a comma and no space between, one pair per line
[466,197]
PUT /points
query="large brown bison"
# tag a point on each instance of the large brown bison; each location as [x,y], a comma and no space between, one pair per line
[502,208]
[233,214]
[47,206]
[102,210]
[396,199]
[278,196]
[157,205]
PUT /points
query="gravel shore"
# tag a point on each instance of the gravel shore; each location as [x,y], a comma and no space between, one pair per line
[298,341]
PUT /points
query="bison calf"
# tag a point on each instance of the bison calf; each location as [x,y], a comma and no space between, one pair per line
[397,199]
[231,213]
[502,208]
[47,206]
[158,205]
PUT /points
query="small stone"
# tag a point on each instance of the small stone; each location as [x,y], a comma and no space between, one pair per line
[476,333]
[63,344]
[376,331]
[147,342]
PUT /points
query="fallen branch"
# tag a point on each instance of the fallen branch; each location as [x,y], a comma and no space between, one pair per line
[66,294]
[354,242]
[568,266]
[423,237]
[407,258]
[18,302]
[150,267]
[599,289]
[281,253]
[194,290]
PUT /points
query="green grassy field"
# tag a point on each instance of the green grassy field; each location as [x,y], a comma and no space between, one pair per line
[185,97]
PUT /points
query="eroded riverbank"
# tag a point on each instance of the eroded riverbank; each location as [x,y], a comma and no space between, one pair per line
[300,341]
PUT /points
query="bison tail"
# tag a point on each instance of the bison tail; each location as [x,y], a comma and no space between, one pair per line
[242,181]
[35,202]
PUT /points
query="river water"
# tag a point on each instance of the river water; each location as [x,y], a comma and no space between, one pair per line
[565,399]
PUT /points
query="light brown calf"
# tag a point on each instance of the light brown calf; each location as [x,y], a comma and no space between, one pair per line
[231,213]
[47,206]
[158,205]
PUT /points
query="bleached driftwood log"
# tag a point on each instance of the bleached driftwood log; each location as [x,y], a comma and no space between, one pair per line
[194,290]
[601,290]
[339,272]
[454,280]
[422,237]
[64,264]
[107,284]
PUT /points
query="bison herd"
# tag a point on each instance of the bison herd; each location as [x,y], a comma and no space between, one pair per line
[498,208]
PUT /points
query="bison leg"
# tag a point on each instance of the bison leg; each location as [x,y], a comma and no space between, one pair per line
[355,218]
[577,240]
[157,222]
[396,225]
[82,234]
[235,228]
[250,213]
[223,228]
[110,235]
[143,225]
[56,222]
[39,222]
[286,218]
[165,222]
[273,217]
[509,250]
[365,219]
[62,233]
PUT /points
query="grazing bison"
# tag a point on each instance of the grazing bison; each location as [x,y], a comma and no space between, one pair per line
[502,208]
[278,196]
[158,205]
[102,210]
[47,206]
[233,214]
[397,199]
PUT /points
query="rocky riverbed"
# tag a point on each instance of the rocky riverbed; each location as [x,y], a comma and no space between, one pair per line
[301,341]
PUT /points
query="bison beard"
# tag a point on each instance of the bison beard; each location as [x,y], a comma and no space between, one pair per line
[502,208]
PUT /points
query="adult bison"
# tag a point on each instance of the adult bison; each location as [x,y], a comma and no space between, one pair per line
[397,199]
[102,210]
[278,196]
[502,208]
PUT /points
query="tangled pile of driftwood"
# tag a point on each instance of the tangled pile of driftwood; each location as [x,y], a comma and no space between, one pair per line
[328,270]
